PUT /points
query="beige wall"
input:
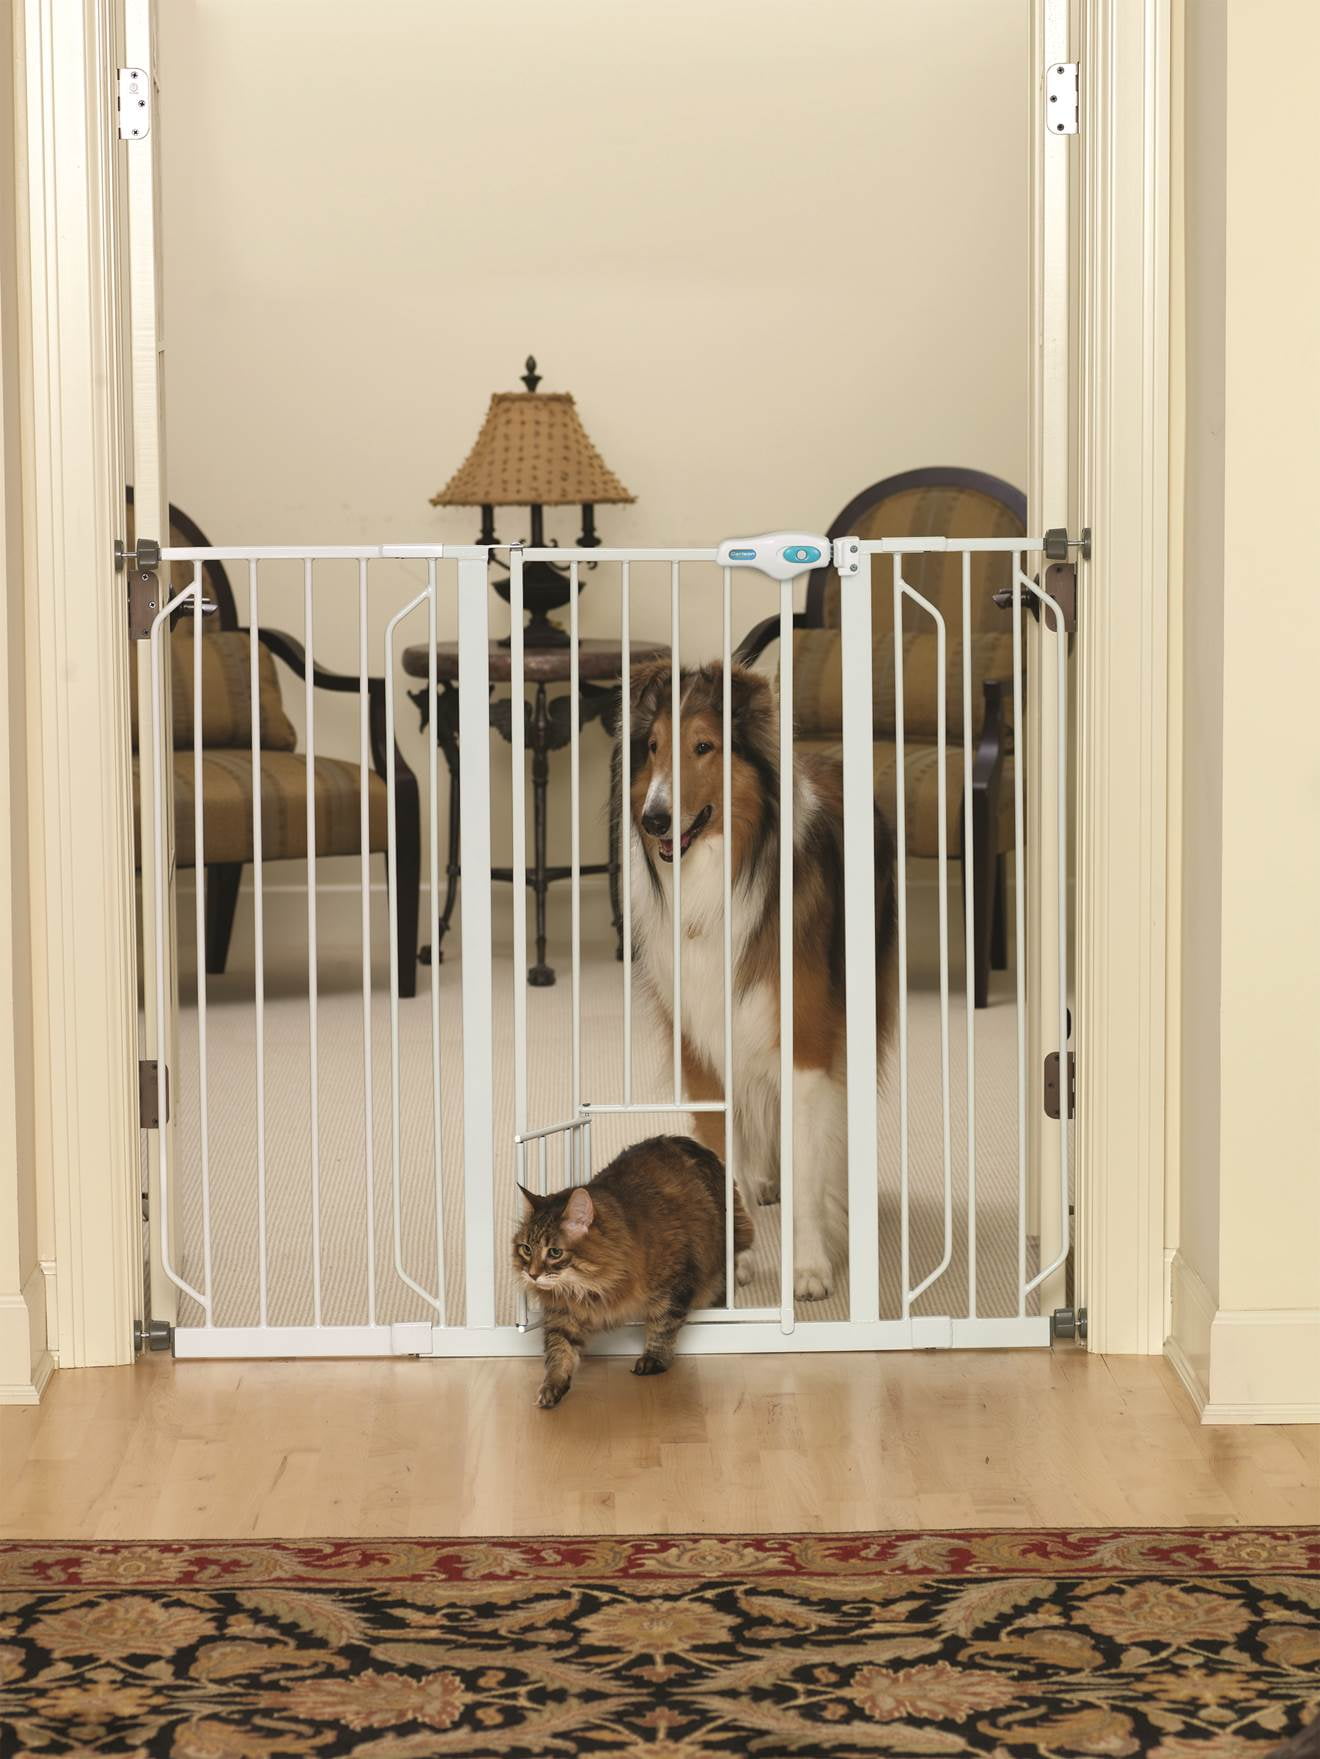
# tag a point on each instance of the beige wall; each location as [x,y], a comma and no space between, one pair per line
[776,248]
[1247,1285]
[23,1359]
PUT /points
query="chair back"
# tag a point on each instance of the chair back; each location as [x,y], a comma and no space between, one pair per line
[941,501]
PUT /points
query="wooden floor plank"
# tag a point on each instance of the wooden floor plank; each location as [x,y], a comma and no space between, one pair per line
[754,1444]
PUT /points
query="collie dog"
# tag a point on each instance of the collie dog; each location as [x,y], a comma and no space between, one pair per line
[697,842]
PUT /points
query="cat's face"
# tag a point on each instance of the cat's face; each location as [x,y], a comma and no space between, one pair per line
[548,1248]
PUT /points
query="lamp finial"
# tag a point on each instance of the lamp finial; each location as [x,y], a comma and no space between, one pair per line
[531,378]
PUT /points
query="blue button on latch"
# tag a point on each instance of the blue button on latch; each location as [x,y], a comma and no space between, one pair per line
[802,553]
[742,555]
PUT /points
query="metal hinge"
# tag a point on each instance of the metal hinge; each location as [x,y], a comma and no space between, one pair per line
[133,89]
[1052,1084]
[149,1117]
[144,595]
[1062,86]
[847,557]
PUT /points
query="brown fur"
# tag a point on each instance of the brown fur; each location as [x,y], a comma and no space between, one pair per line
[642,1242]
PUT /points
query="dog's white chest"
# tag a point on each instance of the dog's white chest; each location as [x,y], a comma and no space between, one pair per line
[701,943]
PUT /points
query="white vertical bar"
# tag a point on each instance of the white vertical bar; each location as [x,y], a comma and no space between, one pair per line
[199,890]
[726,752]
[900,827]
[1061,833]
[969,927]
[575,816]
[433,818]
[860,881]
[518,742]
[625,821]
[474,855]
[396,1095]
[259,935]
[364,840]
[1020,913]
[676,825]
[160,620]
[786,1169]
[313,1009]
[942,868]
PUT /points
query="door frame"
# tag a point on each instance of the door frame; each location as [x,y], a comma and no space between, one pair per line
[79,795]
[1127,794]
[86,966]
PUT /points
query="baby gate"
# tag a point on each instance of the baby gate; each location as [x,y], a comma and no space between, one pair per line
[361,1236]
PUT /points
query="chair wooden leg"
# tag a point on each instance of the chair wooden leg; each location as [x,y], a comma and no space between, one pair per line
[999,923]
[408,823]
[983,901]
[221,881]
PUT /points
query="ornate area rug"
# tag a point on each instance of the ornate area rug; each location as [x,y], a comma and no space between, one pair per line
[1183,1644]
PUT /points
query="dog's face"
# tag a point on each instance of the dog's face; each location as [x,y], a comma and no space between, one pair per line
[673,812]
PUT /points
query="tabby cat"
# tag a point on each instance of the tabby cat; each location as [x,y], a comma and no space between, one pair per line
[643,1242]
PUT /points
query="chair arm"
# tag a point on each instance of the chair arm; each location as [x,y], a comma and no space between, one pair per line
[990,747]
[291,651]
[287,648]
[758,638]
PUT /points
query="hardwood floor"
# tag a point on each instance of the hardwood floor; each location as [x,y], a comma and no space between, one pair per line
[753,1444]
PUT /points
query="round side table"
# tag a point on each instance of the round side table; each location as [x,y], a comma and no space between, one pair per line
[548,728]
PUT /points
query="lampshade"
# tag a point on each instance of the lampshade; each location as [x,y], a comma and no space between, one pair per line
[532,451]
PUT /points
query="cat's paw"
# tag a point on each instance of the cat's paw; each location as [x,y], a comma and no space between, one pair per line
[550,1395]
[813,1282]
[649,1364]
[742,1270]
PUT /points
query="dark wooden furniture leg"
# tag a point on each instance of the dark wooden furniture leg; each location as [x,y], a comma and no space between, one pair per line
[446,733]
[222,882]
[999,925]
[408,843]
[987,770]
[541,975]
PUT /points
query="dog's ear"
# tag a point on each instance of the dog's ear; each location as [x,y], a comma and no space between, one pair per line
[649,686]
[755,710]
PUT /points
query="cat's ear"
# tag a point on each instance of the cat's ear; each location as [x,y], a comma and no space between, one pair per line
[579,1213]
[530,1198]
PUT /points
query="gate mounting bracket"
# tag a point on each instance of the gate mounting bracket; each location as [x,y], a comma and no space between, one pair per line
[133,93]
[1062,88]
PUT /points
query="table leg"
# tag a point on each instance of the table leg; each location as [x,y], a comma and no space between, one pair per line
[541,975]
[446,713]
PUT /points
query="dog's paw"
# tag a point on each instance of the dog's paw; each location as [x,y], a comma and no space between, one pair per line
[813,1282]
[742,1270]
[767,1192]
[649,1364]
[549,1396]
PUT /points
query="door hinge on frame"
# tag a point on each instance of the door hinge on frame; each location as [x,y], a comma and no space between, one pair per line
[1062,89]
[133,92]
[149,1117]
[1052,1085]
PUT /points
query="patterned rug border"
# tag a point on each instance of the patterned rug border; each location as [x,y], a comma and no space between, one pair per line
[973,1552]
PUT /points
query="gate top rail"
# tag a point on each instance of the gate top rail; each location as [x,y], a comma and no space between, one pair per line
[884,546]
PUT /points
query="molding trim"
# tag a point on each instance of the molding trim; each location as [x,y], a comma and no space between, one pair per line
[1192,1317]
[23,1345]
[1243,1365]
[84,979]
[1122,668]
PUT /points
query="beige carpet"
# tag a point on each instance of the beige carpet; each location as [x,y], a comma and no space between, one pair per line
[343,1182]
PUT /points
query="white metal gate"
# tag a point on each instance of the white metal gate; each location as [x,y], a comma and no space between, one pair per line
[353,1268]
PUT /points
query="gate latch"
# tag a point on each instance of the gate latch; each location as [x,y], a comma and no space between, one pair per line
[780,554]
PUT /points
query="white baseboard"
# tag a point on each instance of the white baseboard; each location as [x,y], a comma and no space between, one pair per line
[1243,1365]
[25,1360]
[1191,1317]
